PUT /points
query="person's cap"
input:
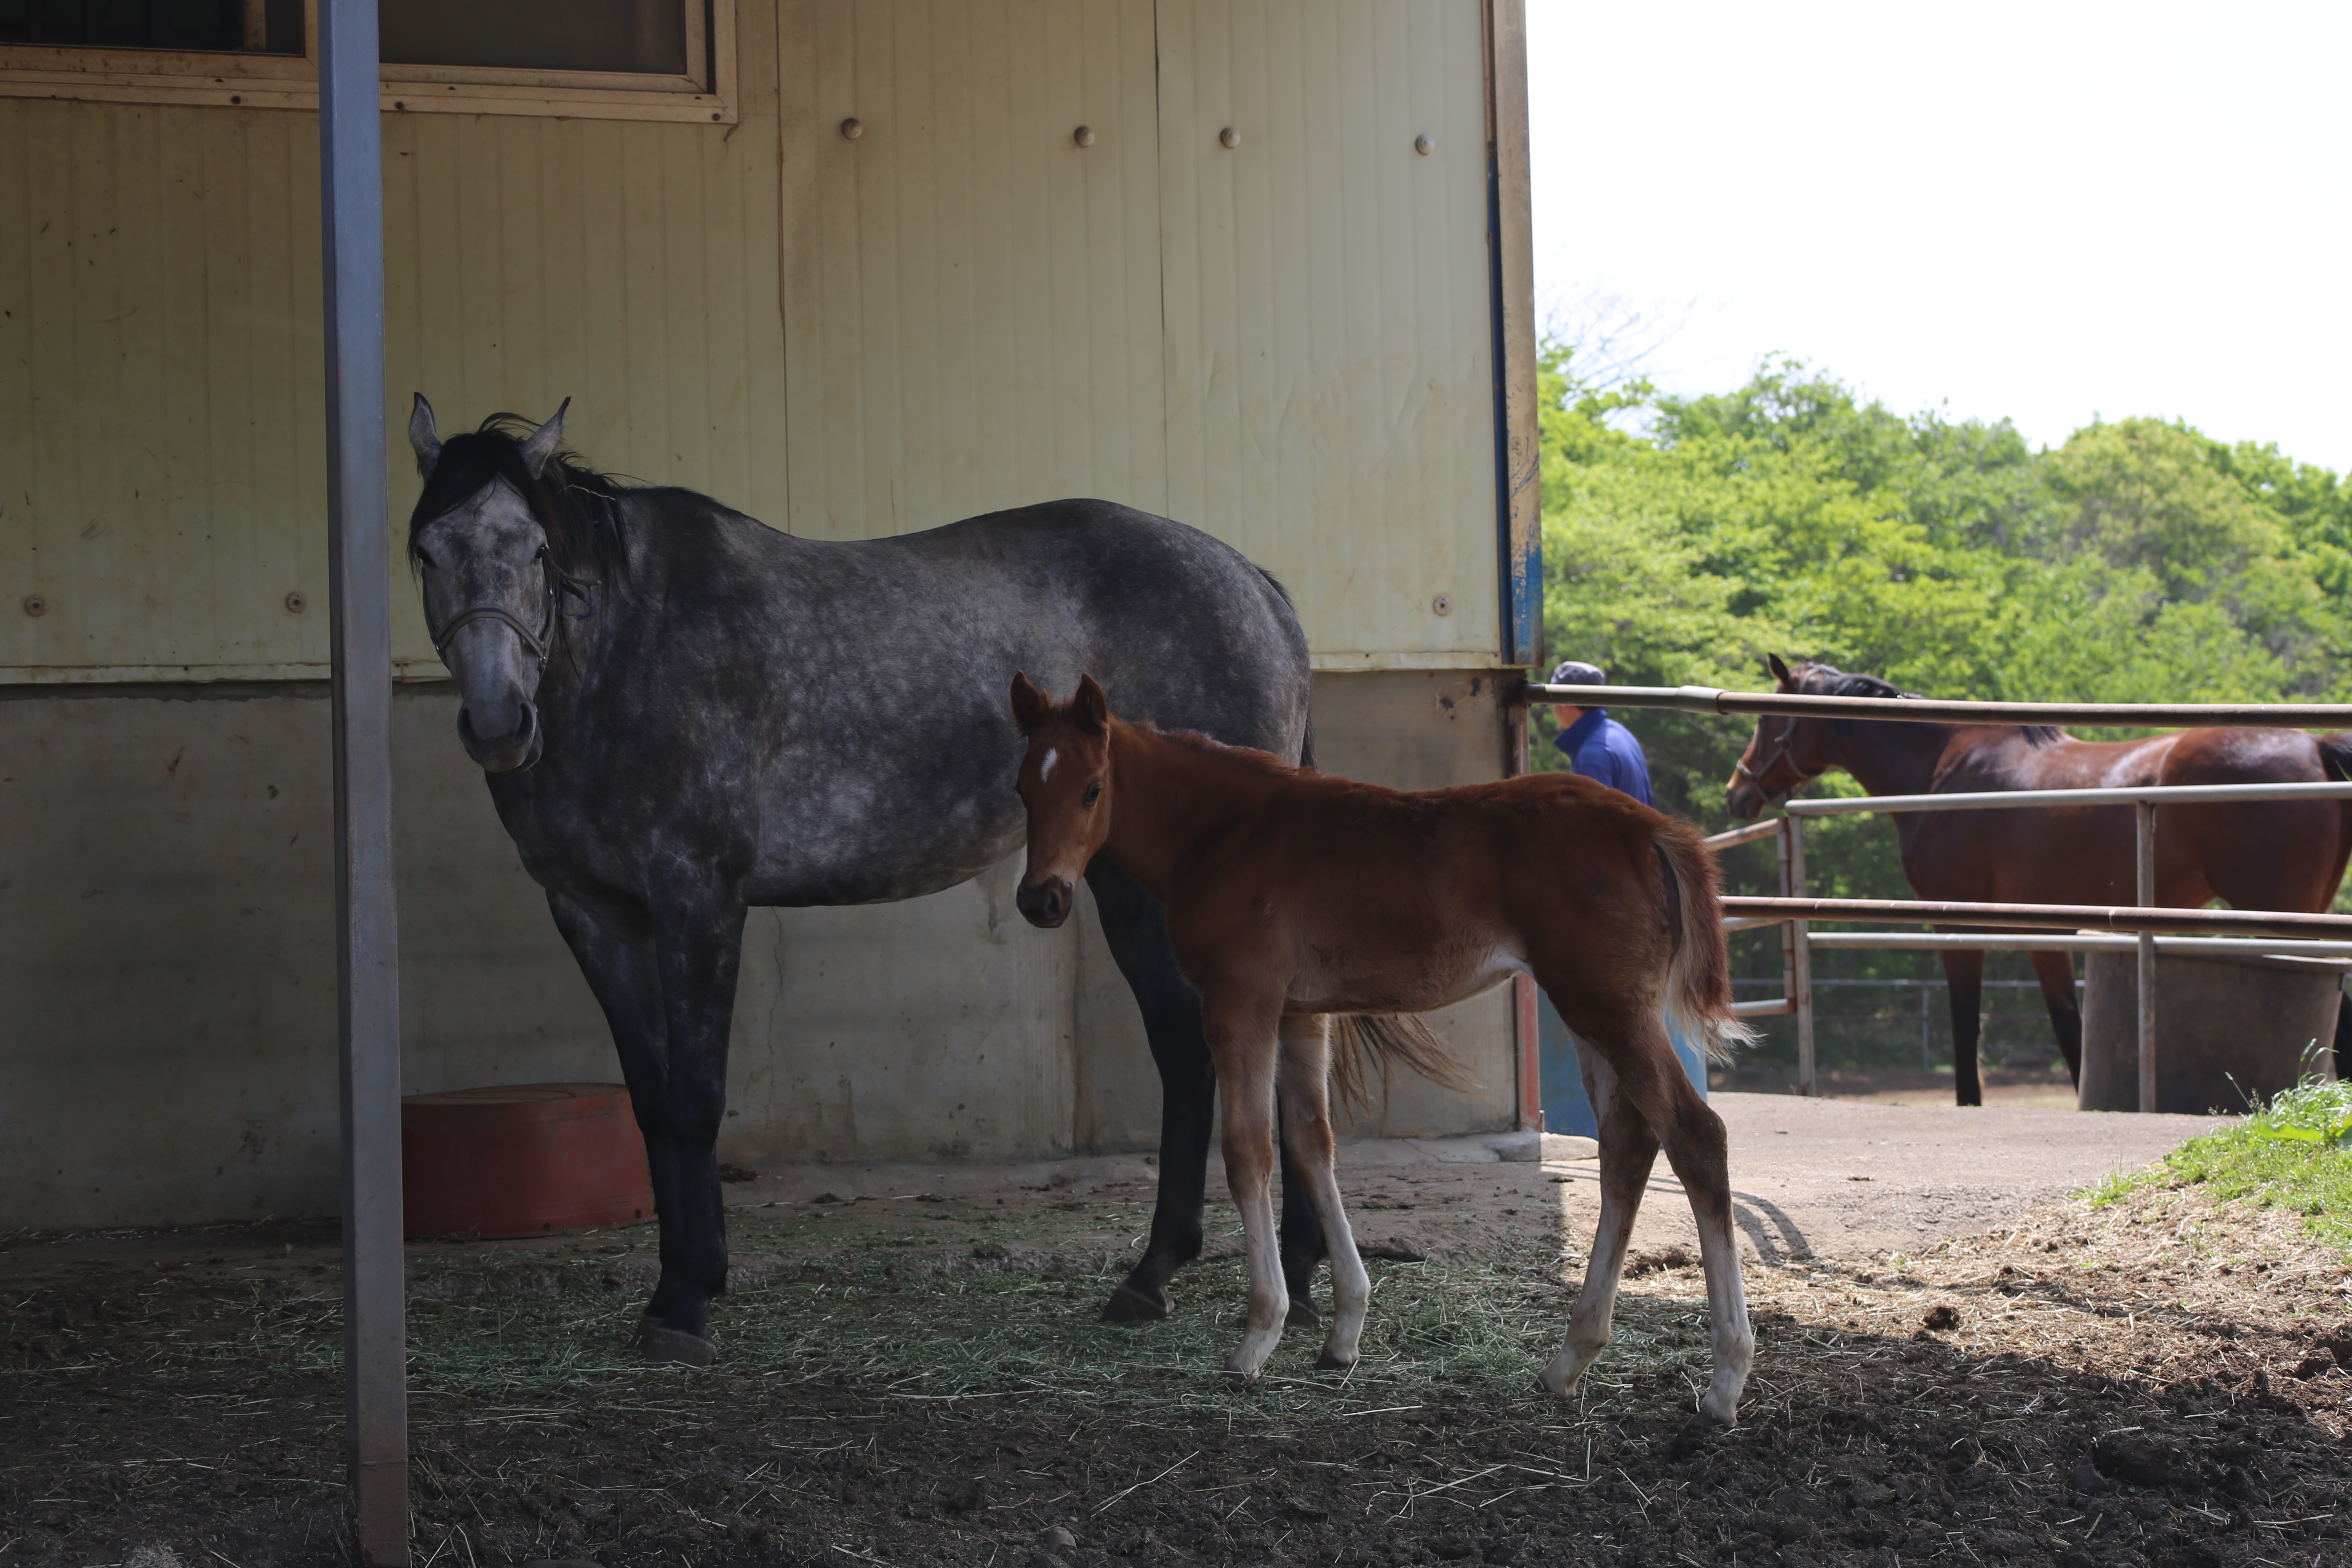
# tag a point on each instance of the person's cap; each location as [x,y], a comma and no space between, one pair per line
[1572,672]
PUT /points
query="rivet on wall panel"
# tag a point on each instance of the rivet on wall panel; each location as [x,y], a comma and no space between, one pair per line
[1443,604]
[1084,136]
[1424,145]
[296,603]
[36,605]
[851,130]
[1229,137]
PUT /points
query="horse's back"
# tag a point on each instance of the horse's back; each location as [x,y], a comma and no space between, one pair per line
[2253,854]
[890,769]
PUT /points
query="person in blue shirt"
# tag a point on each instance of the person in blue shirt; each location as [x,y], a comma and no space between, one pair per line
[1599,748]
[1595,744]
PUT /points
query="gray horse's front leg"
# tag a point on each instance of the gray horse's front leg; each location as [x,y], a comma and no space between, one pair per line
[615,944]
[700,947]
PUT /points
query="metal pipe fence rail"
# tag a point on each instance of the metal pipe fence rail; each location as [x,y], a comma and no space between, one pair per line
[1708,699]
[2088,928]
[1924,984]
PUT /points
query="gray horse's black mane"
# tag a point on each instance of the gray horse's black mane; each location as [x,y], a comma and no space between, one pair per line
[573,503]
[1822,680]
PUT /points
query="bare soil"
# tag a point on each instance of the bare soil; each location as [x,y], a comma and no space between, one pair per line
[2157,1384]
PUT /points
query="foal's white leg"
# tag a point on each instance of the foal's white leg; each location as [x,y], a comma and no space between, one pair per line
[1307,1130]
[1627,1152]
[1243,1045]
[1733,1335]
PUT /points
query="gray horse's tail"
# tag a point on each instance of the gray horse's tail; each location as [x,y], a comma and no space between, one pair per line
[1390,1039]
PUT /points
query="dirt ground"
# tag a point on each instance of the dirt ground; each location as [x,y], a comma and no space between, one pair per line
[2043,1085]
[1956,1362]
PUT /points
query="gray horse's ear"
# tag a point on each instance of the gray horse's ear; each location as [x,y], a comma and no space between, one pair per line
[1029,704]
[423,437]
[1779,671]
[1090,707]
[542,443]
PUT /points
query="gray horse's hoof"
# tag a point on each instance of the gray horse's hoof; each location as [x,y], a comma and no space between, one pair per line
[1303,1314]
[1130,1305]
[654,1342]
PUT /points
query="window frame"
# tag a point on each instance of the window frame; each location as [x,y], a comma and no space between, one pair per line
[107,74]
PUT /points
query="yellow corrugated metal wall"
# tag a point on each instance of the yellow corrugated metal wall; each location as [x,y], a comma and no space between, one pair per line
[1285,341]
[1331,396]
[971,300]
[161,418]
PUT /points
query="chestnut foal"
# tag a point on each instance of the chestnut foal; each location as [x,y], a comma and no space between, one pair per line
[1293,896]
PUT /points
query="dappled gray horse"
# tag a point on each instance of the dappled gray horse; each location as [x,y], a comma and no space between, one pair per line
[683,712]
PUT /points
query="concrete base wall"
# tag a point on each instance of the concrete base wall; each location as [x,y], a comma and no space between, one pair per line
[167,966]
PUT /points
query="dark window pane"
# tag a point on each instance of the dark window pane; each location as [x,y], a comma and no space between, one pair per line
[271,26]
[646,36]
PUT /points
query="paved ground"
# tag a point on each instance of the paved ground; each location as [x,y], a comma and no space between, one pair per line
[1809,1178]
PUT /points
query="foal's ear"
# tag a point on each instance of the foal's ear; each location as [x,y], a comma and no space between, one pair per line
[1779,671]
[423,437]
[542,443]
[1029,704]
[1090,707]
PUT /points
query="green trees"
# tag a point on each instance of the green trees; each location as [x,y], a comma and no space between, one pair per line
[2141,561]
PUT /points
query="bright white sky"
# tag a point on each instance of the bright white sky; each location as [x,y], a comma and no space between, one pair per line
[2042,212]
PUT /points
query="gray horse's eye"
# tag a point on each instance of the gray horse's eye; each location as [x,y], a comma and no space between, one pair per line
[1093,793]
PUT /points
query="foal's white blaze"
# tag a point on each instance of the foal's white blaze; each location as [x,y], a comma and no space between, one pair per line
[1045,768]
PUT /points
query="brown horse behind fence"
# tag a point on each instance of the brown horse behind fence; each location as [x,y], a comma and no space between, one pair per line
[1293,896]
[2284,855]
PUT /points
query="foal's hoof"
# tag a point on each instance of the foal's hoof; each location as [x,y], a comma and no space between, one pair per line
[654,1342]
[1327,1362]
[1130,1305]
[1303,1314]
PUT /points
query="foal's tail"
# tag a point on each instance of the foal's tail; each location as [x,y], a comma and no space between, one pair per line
[1699,982]
[1393,1039]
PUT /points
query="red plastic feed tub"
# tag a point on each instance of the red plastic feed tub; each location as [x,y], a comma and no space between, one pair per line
[524,1158]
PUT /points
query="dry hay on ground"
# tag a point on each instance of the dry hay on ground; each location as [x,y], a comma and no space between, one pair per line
[2155,1382]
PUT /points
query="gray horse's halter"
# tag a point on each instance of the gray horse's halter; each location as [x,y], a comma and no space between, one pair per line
[540,642]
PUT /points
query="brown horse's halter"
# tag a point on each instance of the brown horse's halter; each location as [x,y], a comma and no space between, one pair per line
[1772,759]
[539,642]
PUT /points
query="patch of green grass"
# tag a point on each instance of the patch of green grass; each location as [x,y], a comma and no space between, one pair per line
[2294,1153]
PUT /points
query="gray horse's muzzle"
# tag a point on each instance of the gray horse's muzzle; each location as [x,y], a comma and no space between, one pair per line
[518,748]
[1045,903]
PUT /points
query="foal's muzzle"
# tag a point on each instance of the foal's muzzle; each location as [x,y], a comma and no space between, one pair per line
[1045,903]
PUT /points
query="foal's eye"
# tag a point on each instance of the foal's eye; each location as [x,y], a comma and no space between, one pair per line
[1093,793]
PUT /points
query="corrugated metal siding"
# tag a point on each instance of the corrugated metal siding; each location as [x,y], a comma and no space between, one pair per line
[1287,343]
[1330,402]
[161,425]
[971,300]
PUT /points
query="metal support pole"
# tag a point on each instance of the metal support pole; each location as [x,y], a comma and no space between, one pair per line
[359,552]
[1923,1061]
[1796,952]
[2145,812]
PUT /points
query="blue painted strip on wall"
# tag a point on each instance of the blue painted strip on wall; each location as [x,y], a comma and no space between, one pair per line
[1565,1106]
[1522,562]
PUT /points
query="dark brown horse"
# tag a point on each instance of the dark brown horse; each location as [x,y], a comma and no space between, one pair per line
[2273,854]
[1293,896]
